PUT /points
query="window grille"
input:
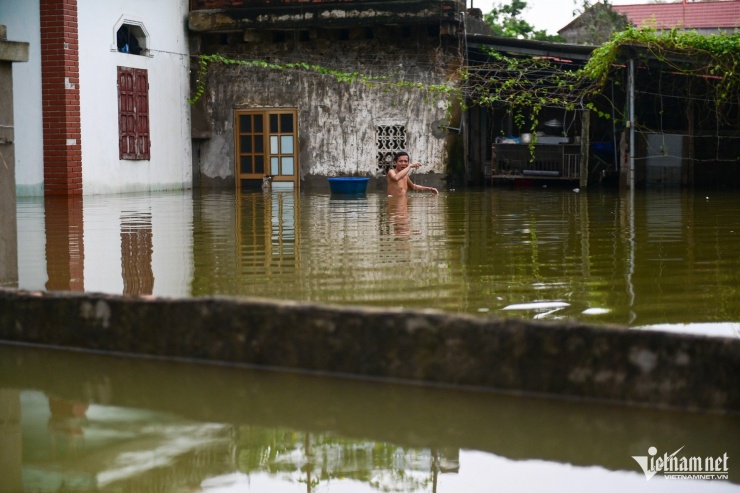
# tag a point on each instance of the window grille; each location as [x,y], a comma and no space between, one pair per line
[390,139]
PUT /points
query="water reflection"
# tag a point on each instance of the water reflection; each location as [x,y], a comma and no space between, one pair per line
[136,253]
[398,213]
[65,245]
[77,422]
[660,257]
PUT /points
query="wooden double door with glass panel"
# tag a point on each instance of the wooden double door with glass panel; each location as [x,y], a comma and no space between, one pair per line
[266,145]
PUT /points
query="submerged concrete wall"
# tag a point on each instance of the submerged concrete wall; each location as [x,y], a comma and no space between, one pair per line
[569,360]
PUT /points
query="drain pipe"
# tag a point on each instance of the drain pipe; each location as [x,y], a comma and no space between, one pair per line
[630,286]
[463,113]
[632,122]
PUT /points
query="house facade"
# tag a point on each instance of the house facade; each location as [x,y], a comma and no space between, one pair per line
[680,136]
[101,105]
[595,25]
[298,124]
[721,16]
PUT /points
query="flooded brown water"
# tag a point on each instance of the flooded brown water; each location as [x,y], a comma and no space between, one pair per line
[658,259]
[81,422]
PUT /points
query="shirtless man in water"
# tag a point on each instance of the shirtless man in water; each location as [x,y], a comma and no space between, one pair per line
[398,179]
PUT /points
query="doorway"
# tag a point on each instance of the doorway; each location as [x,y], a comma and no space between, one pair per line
[266,147]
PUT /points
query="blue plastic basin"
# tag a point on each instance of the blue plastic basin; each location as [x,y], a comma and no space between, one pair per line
[349,185]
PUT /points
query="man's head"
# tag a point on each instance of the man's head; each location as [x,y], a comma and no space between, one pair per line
[401,159]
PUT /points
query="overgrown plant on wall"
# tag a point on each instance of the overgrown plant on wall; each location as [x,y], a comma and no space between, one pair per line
[709,65]
[383,83]
[526,85]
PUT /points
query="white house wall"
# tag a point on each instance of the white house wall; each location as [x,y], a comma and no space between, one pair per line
[170,166]
[167,64]
[21,17]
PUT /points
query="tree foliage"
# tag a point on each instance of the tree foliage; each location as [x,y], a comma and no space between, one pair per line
[596,22]
[505,21]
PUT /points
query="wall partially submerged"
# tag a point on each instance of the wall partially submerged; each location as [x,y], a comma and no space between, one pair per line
[566,360]
[338,121]
[337,128]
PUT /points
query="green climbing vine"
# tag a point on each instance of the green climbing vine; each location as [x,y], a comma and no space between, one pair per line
[715,57]
[526,85]
[384,82]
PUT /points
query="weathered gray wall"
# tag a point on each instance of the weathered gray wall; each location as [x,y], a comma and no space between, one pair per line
[337,120]
[565,360]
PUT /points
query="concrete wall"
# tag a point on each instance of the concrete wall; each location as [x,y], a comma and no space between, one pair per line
[568,360]
[337,120]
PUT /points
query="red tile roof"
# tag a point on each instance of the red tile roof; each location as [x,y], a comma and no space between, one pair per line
[695,15]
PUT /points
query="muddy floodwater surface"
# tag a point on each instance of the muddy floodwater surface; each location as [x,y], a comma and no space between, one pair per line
[656,259]
[80,423]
